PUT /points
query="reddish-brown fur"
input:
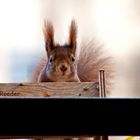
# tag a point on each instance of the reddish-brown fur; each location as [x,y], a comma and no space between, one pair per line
[90,61]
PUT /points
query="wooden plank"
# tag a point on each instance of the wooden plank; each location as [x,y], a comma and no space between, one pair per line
[51,137]
[50,89]
[44,137]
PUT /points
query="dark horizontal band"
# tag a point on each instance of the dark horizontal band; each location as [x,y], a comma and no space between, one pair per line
[69,117]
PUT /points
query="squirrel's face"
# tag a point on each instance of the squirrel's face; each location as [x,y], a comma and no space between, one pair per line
[61,64]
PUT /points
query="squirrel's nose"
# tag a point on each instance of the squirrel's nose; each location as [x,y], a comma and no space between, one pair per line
[63,68]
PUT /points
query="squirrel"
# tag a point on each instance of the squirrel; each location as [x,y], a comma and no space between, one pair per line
[62,64]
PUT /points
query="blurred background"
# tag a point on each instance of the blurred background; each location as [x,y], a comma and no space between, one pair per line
[114,23]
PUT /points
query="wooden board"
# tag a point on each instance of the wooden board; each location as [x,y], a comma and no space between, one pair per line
[50,89]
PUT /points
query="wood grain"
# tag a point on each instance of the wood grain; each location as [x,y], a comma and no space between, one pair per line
[50,89]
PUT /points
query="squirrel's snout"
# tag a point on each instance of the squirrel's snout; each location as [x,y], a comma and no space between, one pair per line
[63,68]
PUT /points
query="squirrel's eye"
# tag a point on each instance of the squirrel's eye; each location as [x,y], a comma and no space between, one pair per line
[50,60]
[73,59]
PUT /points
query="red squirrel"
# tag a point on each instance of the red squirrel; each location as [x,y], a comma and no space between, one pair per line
[62,65]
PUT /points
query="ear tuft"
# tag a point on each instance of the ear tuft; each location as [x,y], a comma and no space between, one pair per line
[48,35]
[73,36]
[48,32]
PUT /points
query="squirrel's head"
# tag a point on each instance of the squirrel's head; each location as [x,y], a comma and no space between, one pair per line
[62,63]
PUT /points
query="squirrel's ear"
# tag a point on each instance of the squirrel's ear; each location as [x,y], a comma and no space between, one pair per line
[48,36]
[73,36]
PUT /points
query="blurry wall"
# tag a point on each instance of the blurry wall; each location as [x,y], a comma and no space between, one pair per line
[114,23]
